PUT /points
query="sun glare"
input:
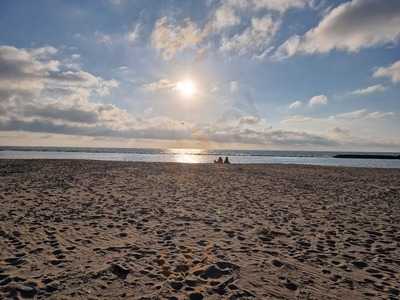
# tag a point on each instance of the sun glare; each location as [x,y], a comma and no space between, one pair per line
[186,87]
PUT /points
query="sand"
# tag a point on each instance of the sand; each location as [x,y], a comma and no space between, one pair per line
[115,230]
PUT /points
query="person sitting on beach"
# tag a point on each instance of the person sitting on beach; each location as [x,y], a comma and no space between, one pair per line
[226,161]
[218,161]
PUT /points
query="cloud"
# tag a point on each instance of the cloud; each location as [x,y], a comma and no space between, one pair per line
[254,32]
[344,128]
[224,17]
[275,5]
[234,87]
[39,93]
[272,138]
[231,12]
[369,90]
[35,88]
[160,85]
[280,5]
[43,52]
[392,72]
[318,100]
[250,129]
[254,39]
[249,120]
[25,63]
[295,105]
[297,119]
[351,26]
[361,114]
[102,38]
[170,38]
[134,33]
[340,132]
[364,114]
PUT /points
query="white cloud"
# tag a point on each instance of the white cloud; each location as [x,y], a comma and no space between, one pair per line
[170,38]
[254,39]
[364,114]
[369,90]
[318,100]
[224,17]
[295,105]
[36,90]
[249,120]
[351,26]
[234,87]
[160,85]
[39,93]
[276,5]
[392,72]
[250,129]
[280,5]
[134,34]
[296,119]
[361,114]
[43,52]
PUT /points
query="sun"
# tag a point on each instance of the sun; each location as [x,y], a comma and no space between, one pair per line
[186,87]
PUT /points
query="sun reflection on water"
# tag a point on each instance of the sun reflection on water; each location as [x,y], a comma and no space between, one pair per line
[189,156]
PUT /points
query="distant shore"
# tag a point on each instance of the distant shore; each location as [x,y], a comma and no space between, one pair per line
[75,229]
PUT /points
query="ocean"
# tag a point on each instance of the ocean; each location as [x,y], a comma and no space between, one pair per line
[323,158]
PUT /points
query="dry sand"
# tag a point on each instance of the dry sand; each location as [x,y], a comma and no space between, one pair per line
[113,230]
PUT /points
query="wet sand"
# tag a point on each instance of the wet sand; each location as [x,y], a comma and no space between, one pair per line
[114,230]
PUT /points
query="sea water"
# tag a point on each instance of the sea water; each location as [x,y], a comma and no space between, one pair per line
[322,158]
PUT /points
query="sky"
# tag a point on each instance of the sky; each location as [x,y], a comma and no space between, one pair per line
[228,74]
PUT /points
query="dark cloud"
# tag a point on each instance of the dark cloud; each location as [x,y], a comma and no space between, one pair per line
[57,112]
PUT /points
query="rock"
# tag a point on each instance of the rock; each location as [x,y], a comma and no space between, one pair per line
[3,276]
[277,263]
[196,296]
[5,281]
[290,285]
[221,288]
[181,268]
[194,282]
[360,264]
[394,291]
[226,265]
[14,261]
[242,294]
[212,272]
[26,291]
[120,271]
[176,285]
[18,279]
[218,270]
[51,287]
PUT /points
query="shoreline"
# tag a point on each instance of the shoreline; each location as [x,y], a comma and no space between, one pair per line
[79,229]
[194,164]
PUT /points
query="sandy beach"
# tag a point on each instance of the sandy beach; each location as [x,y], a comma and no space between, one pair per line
[116,230]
